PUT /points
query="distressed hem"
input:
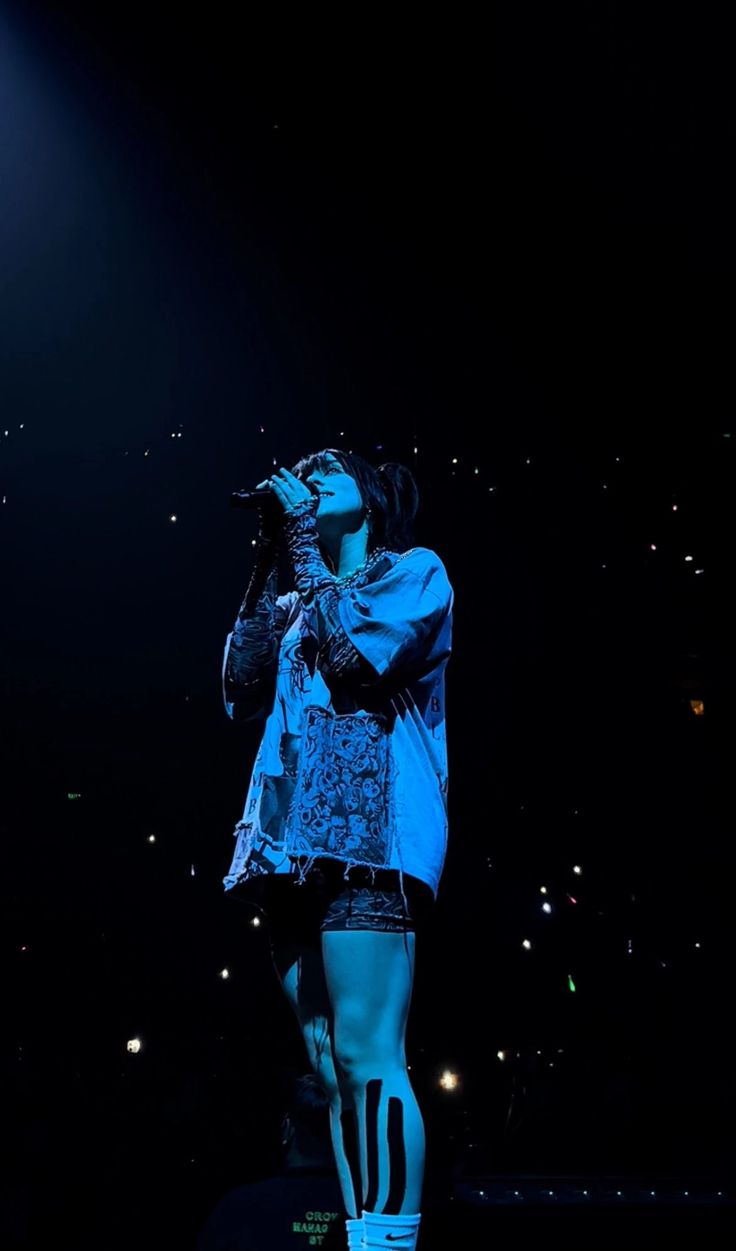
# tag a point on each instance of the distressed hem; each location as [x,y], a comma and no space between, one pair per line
[302,871]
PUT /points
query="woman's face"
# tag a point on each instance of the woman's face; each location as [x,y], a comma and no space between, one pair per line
[340,501]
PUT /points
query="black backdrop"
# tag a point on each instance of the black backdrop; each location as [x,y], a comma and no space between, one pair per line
[502,253]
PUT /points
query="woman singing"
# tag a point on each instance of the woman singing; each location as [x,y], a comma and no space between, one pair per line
[343,837]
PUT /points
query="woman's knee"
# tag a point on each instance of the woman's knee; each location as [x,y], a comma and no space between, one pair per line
[360,1045]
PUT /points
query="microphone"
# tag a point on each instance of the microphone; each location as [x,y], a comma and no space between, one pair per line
[253,499]
[260,499]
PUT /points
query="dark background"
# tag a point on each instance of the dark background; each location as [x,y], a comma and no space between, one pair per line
[502,251]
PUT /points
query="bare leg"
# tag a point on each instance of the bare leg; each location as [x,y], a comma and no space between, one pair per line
[369,976]
[302,976]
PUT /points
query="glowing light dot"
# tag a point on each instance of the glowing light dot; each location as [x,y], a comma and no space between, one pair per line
[502,1055]
[416,449]
[256,922]
[674,508]
[224,974]
[652,547]
[697,706]
[546,907]
[543,890]
[152,838]
[526,945]
[449,1080]
[173,436]
[700,570]
[454,460]
[146,453]
[476,471]
[134,1045]
[570,983]
[688,558]
[528,460]
[577,869]
[697,945]
[605,486]
[253,542]
[172,517]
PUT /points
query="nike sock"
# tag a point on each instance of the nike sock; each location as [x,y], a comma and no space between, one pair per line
[400,1232]
[355,1233]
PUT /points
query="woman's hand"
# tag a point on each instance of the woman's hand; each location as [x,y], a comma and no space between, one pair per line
[289,491]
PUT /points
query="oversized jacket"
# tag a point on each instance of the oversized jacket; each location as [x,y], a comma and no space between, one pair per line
[352,763]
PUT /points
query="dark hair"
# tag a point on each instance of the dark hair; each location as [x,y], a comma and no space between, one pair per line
[389,493]
[309,1106]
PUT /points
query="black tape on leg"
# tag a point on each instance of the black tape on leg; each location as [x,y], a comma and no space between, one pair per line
[372,1100]
[352,1155]
[396,1157]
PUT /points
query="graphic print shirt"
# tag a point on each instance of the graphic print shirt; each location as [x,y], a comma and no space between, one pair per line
[349,768]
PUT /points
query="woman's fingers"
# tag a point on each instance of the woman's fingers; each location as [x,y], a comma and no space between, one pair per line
[277,487]
[288,489]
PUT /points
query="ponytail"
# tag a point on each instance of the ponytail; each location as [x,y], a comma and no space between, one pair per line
[402,500]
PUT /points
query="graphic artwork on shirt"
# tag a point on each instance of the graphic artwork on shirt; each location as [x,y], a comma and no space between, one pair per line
[341,801]
[298,654]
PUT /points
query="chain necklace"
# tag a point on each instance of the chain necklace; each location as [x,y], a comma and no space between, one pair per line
[363,569]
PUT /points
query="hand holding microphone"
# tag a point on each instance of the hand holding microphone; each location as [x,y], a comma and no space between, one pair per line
[272,498]
[289,490]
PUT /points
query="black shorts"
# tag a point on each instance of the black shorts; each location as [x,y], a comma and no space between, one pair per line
[326,901]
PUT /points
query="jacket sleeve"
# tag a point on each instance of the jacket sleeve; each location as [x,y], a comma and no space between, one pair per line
[380,627]
[404,617]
